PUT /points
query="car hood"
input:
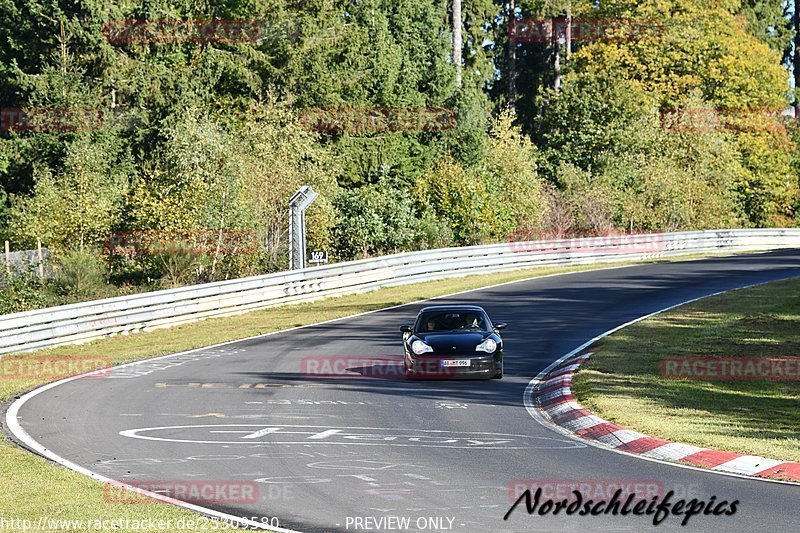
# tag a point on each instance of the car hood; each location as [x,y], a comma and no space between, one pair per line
[453,343]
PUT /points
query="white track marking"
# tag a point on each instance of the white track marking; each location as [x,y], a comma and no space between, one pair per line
[353,436]
[12,422]
[260,433]
[748,464]
[12,414]
[673,451]
[324,434]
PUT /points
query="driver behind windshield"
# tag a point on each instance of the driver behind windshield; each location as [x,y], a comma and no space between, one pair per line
[454,322]
[473,321]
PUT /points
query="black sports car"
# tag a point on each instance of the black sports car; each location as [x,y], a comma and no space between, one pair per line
[453,341]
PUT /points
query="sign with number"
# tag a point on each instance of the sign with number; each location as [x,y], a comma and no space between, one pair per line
[318,257]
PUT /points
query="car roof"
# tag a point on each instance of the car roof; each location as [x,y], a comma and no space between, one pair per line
[452,308]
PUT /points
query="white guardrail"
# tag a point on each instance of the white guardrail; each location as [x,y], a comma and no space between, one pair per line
[76,323]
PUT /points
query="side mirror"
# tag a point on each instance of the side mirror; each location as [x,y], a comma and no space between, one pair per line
[500,326]
[405,329]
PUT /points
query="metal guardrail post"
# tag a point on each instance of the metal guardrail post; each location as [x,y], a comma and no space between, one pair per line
[298,204]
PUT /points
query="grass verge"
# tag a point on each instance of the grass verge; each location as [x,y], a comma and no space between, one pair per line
[623,381]
[31,487]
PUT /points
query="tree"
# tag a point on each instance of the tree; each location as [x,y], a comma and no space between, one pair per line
[768,21]
[702,48]
[595,119]
[796,57]
[237,173]
[457,45]
[74,207]
[375,220]
[510,170]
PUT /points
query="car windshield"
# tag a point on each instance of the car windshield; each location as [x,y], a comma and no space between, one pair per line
[452,320]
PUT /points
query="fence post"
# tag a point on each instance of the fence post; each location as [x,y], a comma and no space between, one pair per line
[41,260]
[8,260]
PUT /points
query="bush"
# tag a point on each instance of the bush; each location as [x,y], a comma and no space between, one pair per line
[375,220]
[460,198]
[586,204]
[432,233]
[509,170]
[497,196]
[80,275]
[77,205]
[23,292]
[177,269]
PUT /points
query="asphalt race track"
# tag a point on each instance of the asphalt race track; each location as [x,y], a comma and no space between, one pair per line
[325,451]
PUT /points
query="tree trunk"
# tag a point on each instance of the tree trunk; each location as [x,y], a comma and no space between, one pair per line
[568,33]
[555,41]
[796,58]
[457,40]
[512,58]
[557,65]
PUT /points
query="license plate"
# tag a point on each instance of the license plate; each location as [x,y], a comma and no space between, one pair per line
[455,362]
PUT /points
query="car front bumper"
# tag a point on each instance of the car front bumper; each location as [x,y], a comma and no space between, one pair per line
[430,366]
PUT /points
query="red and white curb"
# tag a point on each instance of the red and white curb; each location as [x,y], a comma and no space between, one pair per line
[551,396]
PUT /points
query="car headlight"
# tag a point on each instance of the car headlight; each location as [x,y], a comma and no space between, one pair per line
[488,346]
[419,347]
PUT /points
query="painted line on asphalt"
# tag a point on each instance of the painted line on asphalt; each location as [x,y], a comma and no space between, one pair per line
[22,436]
[12,423]
[352,436]
[616,437]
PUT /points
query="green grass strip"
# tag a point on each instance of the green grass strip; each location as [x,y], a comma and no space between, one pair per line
[623,383]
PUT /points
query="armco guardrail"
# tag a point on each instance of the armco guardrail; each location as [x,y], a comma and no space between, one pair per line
[92,320]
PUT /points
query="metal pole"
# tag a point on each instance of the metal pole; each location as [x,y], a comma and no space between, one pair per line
[298,204]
